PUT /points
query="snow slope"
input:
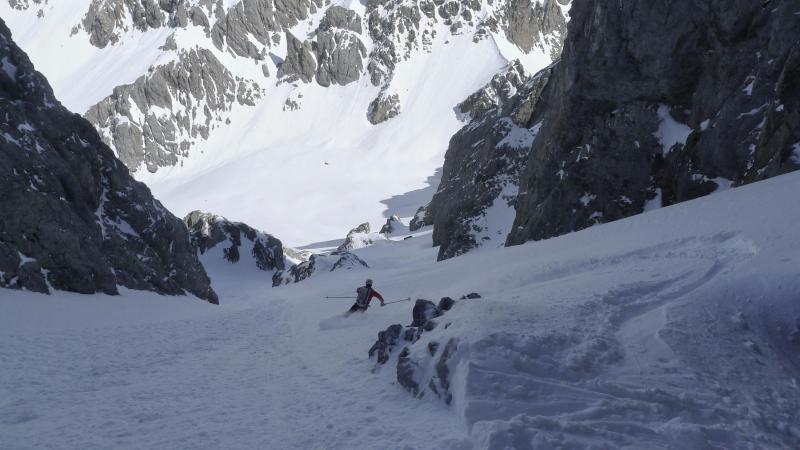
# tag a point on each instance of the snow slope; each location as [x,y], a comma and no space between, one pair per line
[271,178]
[676,328]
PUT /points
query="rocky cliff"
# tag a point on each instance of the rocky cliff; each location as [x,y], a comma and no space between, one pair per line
[73,218]
[650,104]
[657,102]
[473,205]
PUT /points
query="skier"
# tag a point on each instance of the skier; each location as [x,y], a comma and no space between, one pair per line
[364,295]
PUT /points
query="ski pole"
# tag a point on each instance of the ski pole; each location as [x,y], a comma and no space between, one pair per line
[398,301]
[337,297]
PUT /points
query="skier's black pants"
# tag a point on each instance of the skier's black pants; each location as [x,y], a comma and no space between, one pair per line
[356,307]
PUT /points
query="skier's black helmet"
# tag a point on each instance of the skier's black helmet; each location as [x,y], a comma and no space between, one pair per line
[369,281]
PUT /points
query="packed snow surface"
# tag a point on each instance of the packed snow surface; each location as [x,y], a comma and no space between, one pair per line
[677,328]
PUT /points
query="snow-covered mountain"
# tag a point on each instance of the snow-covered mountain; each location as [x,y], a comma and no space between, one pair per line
[356,96]
[632,322]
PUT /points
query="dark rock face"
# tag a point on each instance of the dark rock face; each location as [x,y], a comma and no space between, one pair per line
[420,219]
[208,231]
[654,102]
[424,310]
[74,219]
[195,90]
[649,106]
[484,160]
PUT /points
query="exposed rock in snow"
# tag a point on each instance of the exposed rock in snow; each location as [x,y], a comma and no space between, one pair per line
[155,120]
[74,219]
[247,22]
[319,263]
[300,62]
[358,237]
[106,20]
[338,48]
[208,231]
[695,96]
[392,226]
[383,108]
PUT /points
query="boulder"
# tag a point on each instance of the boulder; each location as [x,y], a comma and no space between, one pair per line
[423,311]
[446,303]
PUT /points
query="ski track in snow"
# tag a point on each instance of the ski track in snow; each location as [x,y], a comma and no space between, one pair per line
[678,328]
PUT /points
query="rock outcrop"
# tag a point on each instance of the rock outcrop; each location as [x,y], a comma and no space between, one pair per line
[483,163]
[422,363]
[358,237]
[393,226]
[262,21]
[208,231]
[319,264]
[657,103]
[383,108]
[300,63]
[156,120]
[73,218]
[106,20]
[338,48]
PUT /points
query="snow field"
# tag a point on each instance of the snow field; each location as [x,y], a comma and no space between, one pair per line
[673,329]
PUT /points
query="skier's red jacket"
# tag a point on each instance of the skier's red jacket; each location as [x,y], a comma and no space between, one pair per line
[372,294]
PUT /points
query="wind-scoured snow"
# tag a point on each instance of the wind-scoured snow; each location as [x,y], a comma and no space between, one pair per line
[672,329]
